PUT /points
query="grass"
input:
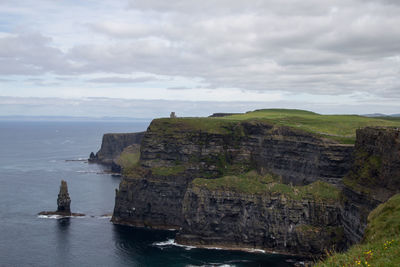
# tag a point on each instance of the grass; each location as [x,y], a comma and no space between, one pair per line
[168,171]
[185,125]
[250,182]
[129,158]
[253,183]
[381,244]
[341,128]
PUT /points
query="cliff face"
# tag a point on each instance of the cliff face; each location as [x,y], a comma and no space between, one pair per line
[265,221]
[373,178]
[299,157]
[160,193]
[112,146]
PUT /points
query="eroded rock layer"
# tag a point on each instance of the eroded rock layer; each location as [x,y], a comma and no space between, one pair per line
[373,178]
[159,192]
[268,221]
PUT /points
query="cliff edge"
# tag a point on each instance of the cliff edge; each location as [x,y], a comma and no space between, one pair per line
[273,182]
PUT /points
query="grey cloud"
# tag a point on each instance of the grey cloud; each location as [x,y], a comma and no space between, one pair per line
[316,47]
[125,80]
[283,7]
[178,88]
[6,80]
[30,54]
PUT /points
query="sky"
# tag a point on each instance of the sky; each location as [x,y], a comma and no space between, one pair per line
[146,58]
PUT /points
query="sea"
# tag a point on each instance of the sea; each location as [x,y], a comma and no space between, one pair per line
[34,157]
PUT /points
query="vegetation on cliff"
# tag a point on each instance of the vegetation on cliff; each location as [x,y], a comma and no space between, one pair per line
[363,178]
[381,244]
[341,128]
[253,183]
[129,158]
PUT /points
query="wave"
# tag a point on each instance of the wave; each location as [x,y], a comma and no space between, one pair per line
[78,159]
[104,217]
[171,242]
[58,217]
[50,216]
[96,172]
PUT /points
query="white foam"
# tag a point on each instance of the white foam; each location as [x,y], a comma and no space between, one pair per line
[58,216]
[171,242]
[253,250]
[105,217]
[49,216]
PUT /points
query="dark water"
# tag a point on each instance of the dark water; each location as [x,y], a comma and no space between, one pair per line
[34,157]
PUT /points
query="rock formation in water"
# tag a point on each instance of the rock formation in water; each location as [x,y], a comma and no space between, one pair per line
[63,203]
[193,179]
[63,200]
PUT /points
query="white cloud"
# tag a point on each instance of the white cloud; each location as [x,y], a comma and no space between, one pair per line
[240,49]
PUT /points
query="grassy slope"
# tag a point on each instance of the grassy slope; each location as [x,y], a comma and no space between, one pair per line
[253,183]
[381,245]
[341,128]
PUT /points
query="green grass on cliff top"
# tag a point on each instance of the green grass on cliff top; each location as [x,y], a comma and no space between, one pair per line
[381,245]
[341,128]
[253,183]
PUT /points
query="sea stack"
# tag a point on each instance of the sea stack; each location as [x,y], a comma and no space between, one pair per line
[63,200]
[63,204]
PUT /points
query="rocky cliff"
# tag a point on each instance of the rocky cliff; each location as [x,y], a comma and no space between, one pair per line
[270,221]
[112,146]
[373,178]
[161,190]
[297,156]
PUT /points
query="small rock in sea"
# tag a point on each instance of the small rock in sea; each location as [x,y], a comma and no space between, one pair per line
[63,203]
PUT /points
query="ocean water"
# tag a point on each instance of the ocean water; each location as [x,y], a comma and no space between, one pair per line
[34,157]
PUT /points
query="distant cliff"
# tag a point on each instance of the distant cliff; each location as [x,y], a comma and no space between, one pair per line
[112,146]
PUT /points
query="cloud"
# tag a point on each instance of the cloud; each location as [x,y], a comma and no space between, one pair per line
[125,80]
[178,88]
[30,54]
[314,47]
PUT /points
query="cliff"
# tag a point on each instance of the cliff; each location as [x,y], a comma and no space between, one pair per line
[381,243]
[159,192]
[273,183]
[373,178]
[112,145]
[298,156]
[272,220]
